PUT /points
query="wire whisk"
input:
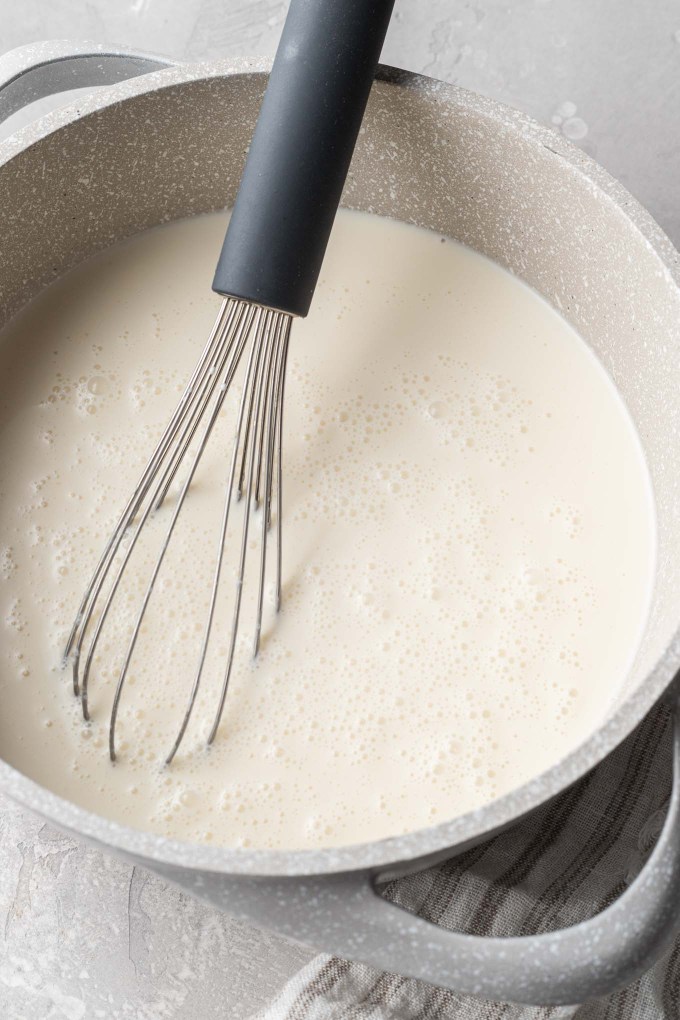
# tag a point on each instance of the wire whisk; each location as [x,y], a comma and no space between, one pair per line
[256,452]
[295,171]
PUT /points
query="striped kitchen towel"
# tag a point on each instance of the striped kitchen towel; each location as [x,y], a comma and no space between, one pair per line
[565,862]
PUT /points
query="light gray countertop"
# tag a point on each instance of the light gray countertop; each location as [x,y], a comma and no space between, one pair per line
[83,936]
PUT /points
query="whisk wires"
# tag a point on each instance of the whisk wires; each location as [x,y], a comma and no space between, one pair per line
[256,451]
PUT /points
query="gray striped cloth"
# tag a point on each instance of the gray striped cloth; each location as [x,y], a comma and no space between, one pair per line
[562,864]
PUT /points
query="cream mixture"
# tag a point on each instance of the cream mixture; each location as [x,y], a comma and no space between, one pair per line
[468,544]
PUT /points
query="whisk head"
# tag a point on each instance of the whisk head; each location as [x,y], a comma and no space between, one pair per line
[241,329]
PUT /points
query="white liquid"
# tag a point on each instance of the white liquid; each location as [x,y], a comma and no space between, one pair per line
[468,544]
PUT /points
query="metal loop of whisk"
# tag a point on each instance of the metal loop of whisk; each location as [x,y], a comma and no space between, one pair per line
[256,452]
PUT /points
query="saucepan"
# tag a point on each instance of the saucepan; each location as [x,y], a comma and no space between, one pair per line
[169,142]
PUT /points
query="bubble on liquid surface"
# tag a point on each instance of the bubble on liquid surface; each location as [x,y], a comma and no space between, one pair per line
[98,385]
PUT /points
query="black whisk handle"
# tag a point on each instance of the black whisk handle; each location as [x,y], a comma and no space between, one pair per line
[300,152]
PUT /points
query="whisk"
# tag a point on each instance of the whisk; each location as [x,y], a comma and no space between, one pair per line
[267,272]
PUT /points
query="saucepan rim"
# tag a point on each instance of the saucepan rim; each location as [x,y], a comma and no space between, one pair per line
[472,826]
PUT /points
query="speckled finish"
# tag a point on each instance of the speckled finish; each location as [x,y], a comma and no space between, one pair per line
[443,158]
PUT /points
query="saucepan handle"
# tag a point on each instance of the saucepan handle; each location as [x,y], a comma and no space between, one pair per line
[42,69]
[590,959]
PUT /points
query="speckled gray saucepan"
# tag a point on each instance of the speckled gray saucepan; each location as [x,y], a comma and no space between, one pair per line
[171,143]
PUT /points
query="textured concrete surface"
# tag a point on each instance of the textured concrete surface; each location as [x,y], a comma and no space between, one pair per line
[82,935]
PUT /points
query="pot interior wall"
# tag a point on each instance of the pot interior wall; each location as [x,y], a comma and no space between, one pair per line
[423,157]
